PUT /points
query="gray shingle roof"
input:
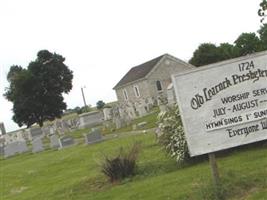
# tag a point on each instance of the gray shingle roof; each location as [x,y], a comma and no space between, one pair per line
[138,72]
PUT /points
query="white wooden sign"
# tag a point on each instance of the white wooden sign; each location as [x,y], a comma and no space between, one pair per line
[224,105]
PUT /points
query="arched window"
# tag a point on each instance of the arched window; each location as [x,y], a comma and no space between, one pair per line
[158,84]
[125,94]
[136,91]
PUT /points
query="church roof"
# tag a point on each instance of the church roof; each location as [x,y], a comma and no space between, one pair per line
[138,72]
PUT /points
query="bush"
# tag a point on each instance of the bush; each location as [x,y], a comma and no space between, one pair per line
[123,165]
[172,134]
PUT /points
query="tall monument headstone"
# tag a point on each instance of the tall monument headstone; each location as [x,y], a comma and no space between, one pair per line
[2,128]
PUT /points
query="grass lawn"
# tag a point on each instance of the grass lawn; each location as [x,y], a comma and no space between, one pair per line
[74,173]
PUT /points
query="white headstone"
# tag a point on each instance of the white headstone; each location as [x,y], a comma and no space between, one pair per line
[51,130]
[37,145]
[54,142]
[66,141]
[36,132]
[170,95]
[2,149]
[14,148]
[107,113]
[93,137]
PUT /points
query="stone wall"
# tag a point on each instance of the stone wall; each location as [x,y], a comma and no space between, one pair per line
[144,92]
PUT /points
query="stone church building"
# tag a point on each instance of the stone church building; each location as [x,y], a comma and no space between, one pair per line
[146,85]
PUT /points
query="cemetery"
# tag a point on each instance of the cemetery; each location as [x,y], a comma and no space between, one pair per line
[173,129]
[64,150]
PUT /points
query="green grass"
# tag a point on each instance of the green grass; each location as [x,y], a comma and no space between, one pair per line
[74,173]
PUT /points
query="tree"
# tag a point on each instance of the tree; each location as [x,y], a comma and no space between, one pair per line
[262,9]
[227,51]
[36,92]
[206,53]
[263,36]
[100,104]
[248,43]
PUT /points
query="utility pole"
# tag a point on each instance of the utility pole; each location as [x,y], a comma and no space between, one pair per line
[85,105]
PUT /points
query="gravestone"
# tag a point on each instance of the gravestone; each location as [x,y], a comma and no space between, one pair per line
[74,123]
[66,141]
[22,146]
[51,130]
[59,127]
[107,113]
[170,95]
[131,112]
[45,130]
[2,141]
[54,142]
[141,110]
[90,119]
[2,149]
[2,128]
[65,126]
[93,137]
[10,149]
[119,122]
[37,145]
[36,132]
[14,148]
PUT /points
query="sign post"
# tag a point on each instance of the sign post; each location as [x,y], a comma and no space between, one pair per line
[223,105]
[214,169]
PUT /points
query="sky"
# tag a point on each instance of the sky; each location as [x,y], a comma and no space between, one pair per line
[102,39]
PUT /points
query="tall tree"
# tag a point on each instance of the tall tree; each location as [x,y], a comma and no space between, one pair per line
[37,92]
[262,9]
[248,43]
[227,51]
[206,53]
[263,36]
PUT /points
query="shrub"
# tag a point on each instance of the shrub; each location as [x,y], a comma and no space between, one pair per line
[172,135]
[123,165]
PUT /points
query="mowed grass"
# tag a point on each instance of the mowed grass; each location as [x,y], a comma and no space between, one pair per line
[74,173]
